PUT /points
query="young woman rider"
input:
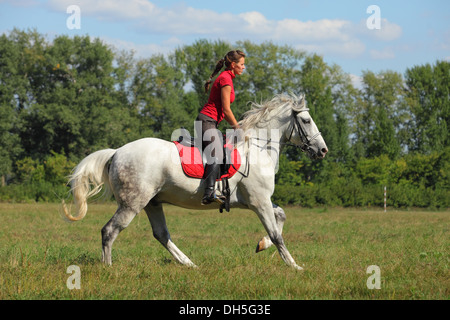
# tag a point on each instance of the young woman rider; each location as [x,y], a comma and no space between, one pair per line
[214,111]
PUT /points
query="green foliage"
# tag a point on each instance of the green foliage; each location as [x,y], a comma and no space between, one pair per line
[375,124]
[64,99]
[54,169]
[57,167]
[413,180]
[427,95]
[289,172]
[39,181]
[29,170]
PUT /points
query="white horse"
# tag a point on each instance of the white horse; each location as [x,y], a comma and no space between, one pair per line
[146,173]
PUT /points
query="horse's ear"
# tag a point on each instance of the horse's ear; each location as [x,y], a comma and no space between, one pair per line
[301,101]
[301,97]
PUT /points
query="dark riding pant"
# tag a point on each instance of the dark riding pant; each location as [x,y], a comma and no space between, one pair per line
[212,148]
[212,139]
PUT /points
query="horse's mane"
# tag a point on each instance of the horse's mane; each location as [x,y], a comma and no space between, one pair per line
[259,112]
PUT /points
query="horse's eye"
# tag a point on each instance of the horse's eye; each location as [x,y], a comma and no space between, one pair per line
[306,121]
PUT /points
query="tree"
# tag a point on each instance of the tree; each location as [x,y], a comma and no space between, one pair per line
[428,99]
[376,117]
[10,146]
[11,85]
[72,105]
[158,92]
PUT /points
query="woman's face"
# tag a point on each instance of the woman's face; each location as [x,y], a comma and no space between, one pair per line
[238,67]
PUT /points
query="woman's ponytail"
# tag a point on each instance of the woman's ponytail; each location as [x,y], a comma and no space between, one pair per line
[219,67]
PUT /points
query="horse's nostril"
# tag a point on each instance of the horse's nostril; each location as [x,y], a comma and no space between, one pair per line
[324,150]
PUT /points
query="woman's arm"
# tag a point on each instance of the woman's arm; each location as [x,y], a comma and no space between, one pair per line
[226,105]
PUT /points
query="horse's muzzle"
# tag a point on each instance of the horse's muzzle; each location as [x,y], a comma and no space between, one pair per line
[322,152]
[316,155]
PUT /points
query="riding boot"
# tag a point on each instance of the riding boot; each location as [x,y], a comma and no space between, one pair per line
[211,174]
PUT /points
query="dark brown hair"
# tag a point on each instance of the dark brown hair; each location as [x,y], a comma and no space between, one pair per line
[232,56]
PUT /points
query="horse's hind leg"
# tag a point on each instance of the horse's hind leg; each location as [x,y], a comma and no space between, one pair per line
[112,228]
[280,217]
[157,219]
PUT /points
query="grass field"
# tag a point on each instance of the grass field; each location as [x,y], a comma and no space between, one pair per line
[335,247]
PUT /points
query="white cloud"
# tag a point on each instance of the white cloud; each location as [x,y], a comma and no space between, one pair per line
[185,20]
[357,81]
[109,10]
[140,50]
[147,17]
[388,31]
[320,30]
[385,53]
[349,49]
[256,23]
[325,36]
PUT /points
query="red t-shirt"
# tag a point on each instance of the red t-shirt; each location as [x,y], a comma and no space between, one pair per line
[213,108]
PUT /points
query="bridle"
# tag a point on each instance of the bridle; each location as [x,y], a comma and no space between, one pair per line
[306,143]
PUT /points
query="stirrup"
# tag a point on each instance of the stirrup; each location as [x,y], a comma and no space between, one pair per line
[220,199]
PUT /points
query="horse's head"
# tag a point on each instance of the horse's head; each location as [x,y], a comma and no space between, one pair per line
[289,114]
[304,132]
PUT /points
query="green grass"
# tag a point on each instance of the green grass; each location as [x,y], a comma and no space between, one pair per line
[335,246]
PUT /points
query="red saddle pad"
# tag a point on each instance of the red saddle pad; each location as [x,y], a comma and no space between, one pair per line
[192,162]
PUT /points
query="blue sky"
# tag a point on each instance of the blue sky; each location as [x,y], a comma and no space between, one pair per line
[411,32]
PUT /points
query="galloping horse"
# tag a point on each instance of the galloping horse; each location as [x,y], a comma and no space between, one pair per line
[146,173]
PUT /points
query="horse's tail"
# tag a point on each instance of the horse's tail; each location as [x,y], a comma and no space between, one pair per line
[87,180]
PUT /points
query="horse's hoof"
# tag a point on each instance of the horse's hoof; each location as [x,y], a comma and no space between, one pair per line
[191,265]
[297,267]
[260,246]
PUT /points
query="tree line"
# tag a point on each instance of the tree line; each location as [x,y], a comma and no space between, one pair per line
[63,99]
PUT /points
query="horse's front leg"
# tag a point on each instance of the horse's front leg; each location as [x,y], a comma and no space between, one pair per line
[265,212]
[280,218]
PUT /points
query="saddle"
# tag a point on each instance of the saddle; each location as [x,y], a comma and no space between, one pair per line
[193,164]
